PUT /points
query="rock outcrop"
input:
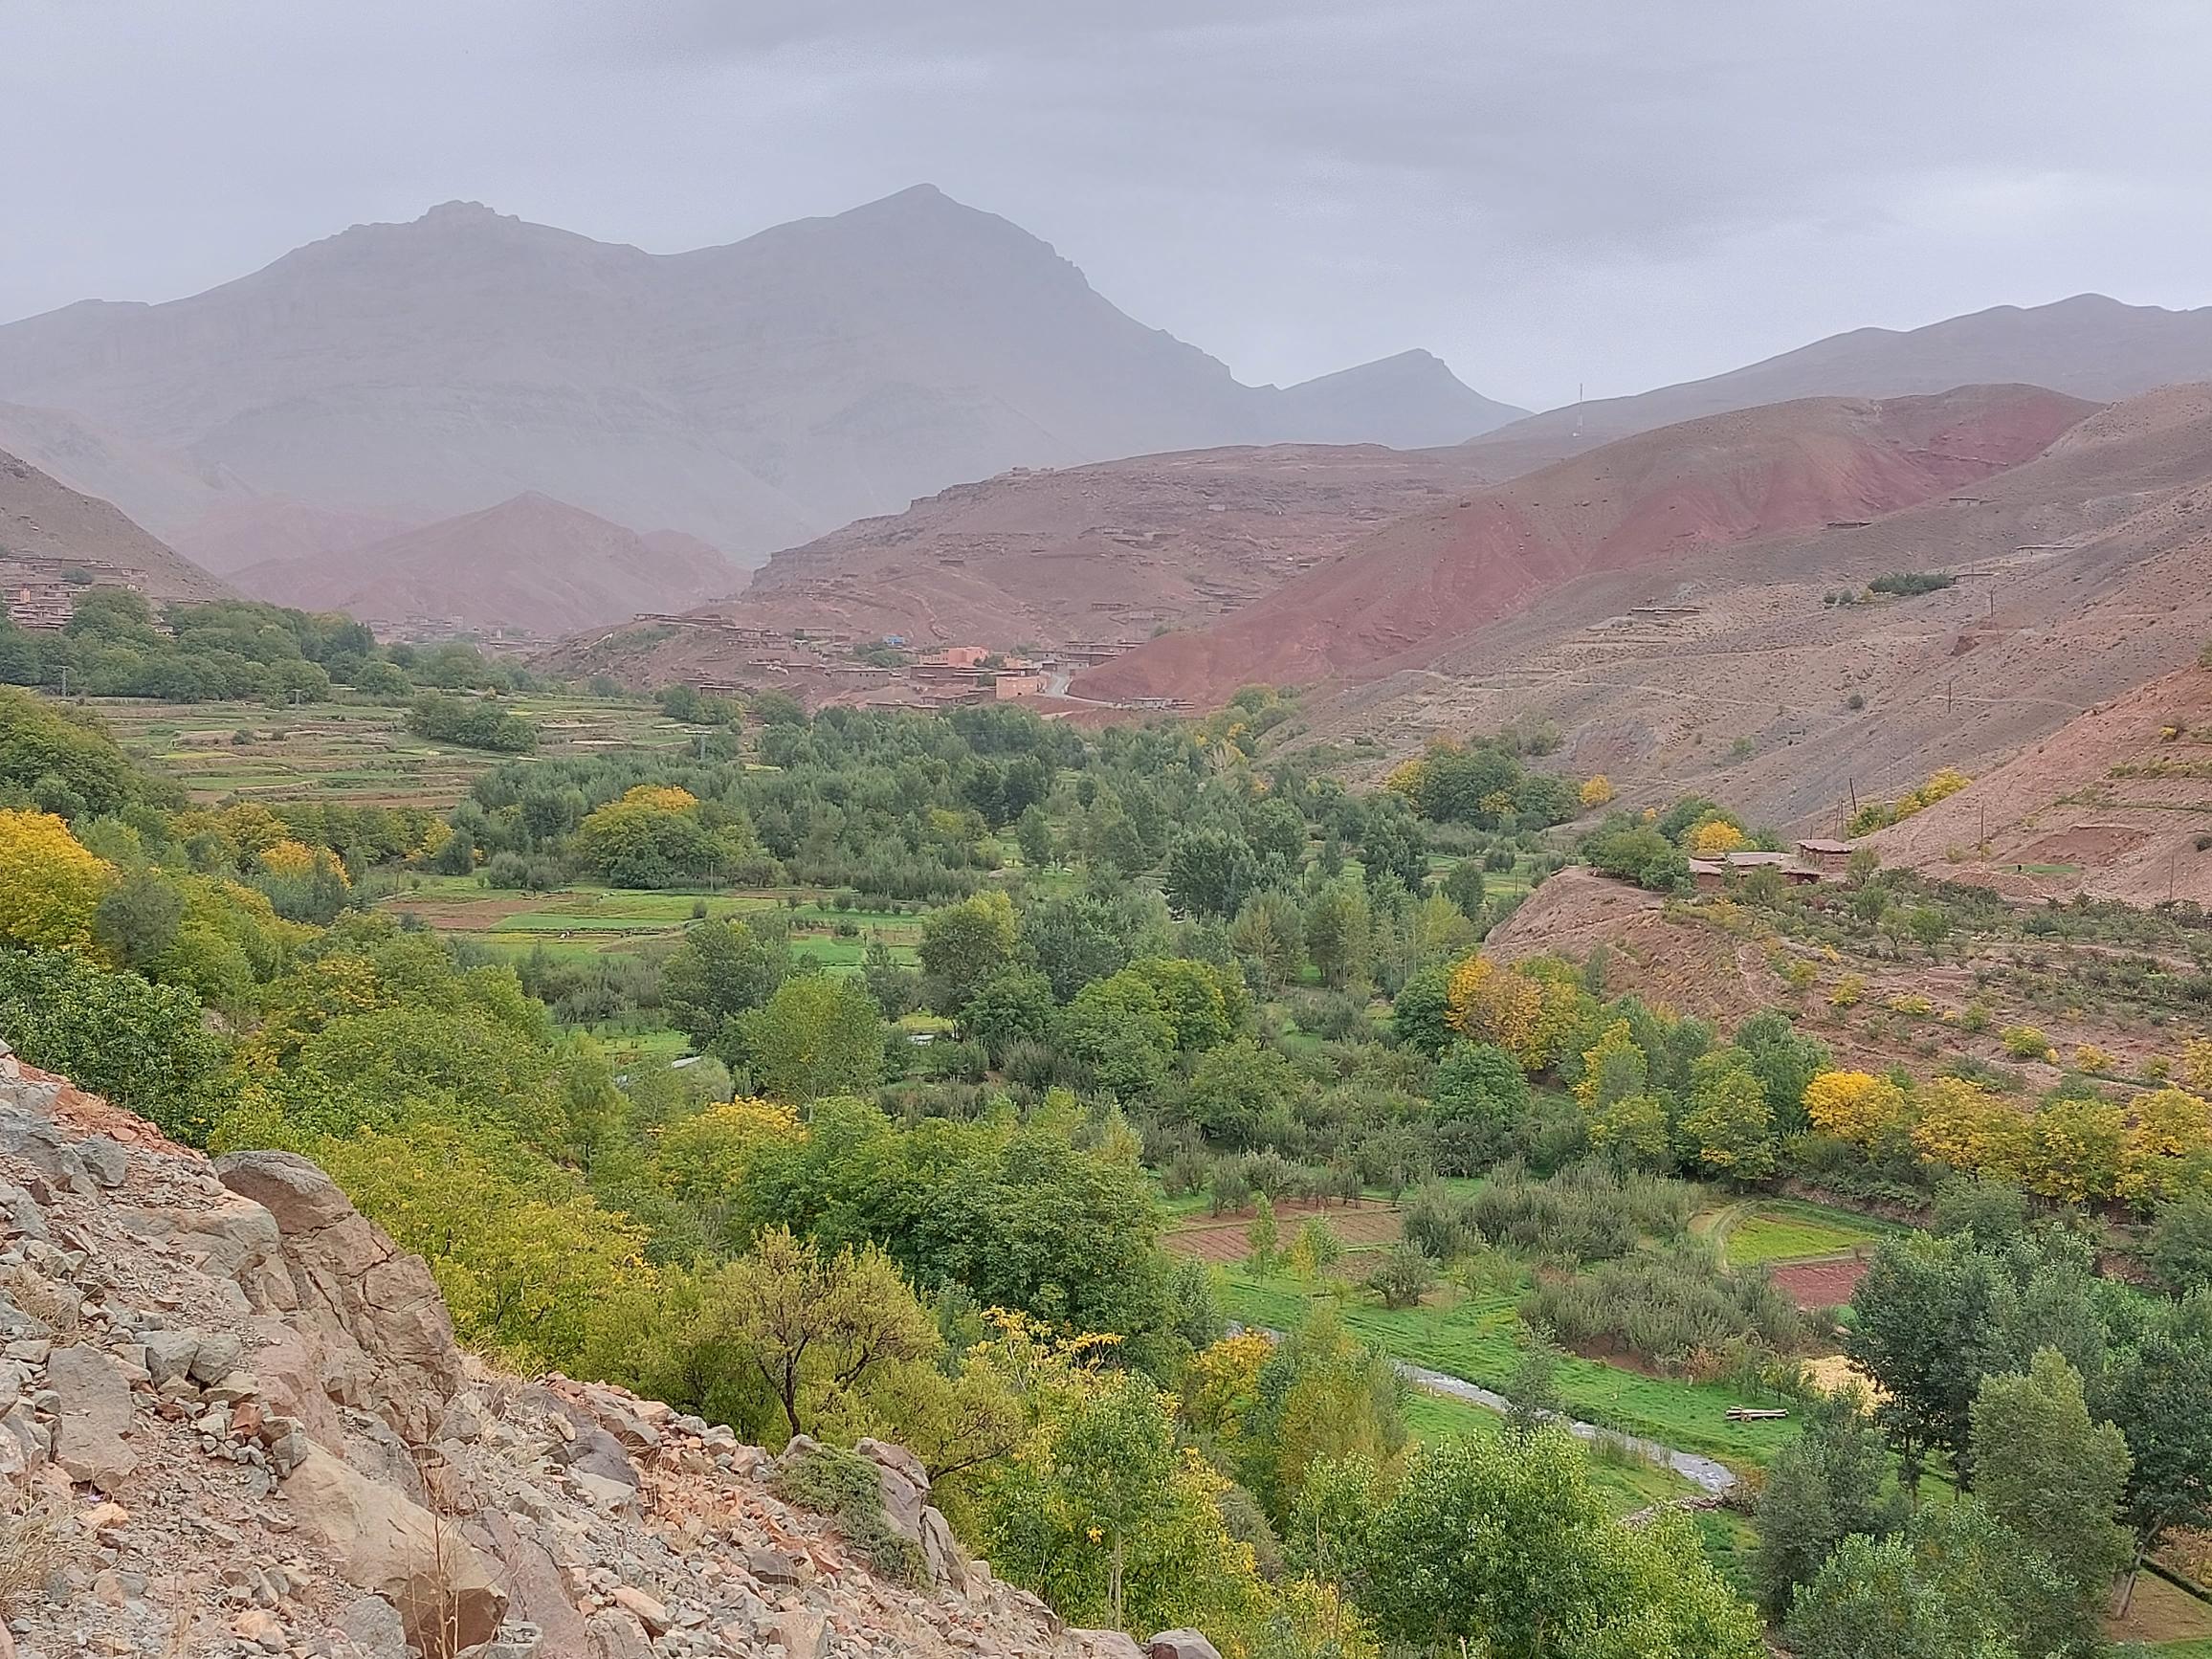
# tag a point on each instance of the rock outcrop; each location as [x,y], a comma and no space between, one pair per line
[238,1409]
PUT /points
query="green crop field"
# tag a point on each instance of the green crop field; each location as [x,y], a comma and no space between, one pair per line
[1477,1338]
[353,753]
[589,920]
[1785,1231]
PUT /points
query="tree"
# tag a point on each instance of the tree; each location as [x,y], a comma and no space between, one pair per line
[1403,1275]
[1269,933]
[1337,929]
[1533,1391]
[1786,1063]
[2054,1477]
[50,886]
[138,920]
[2168,1147]
[1504,1542]
[816,1327]
[1209,870]
[1119,1027]
[1728,1122]
[1420,1013]
[2159,1392]
[1463,884]
[1262,1243]
[1954,1585]
[1033,835]
[1241,1090]
[1391,843]
[2182,1244]
[145,1047]
[820,1035]
[1821,1487]
[1014,1006]
[1931,1323]
[39,740]
[722,970]
[1855,1106]
[964,944]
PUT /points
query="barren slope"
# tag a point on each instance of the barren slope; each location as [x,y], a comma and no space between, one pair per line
[533,564]
[754,395]
[2082,574]
[2112,804]
[1109,551]
[46,520]
[1416,589]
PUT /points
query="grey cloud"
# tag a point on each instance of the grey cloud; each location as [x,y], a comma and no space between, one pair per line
[1620,191]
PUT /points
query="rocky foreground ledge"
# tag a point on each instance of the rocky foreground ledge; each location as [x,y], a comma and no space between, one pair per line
[233,1421]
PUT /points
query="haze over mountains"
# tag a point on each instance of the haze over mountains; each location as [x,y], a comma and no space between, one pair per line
[754,395]
[530,564]
[44,523]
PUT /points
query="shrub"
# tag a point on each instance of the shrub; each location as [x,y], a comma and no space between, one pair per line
[1908,583]
[1403,1276]
[1675,1308]
[1584,1213]
[143,1045]
[2027,1043]
[844,1486]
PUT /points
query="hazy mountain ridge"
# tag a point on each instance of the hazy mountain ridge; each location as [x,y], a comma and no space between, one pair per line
[755,396]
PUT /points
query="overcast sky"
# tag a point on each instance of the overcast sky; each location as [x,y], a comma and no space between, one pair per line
[1544,192]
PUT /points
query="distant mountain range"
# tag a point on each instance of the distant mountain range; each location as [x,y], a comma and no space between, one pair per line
[754,395]
[2087,346]
[531,565]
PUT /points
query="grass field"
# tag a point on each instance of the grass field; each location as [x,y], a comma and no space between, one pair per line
[1477,1338]
[1784,1230]
[587,920]
[357,754]
[1627,1484]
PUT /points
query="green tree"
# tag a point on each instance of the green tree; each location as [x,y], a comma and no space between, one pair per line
[818,1035]
[1821,1487]
[1420,1014]
[1338,929]
[1269,933]
[1240,1091]
[1403,1275]
[2051,1475]
[138,920]
[1954,1585]
[2182,1244]
[1504,1542]
[1263,1244]
[964,944]
[1463,884]
[722,970]
[1209,870]
[815,1327]
[145,1047]
[1727,1124]
[1784,1063]
[1120,1030]
[1931,1322]
[1033,835]
[1014,1006]
[2159,1392]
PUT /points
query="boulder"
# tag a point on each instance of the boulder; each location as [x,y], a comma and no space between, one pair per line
[595,1451]
[373,1625]
[19,1213]
[298,1197]
[92,1417]
[1105,1645]
[169,1354]
[904,1483]
[802,1636]
[386,1544]
[1180,1645]
[614,1634]
[535,1593]
[386,1341]
[105,1161]
[940,1551]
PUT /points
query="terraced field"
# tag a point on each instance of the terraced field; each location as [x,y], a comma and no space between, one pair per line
[356,754]
[588,920]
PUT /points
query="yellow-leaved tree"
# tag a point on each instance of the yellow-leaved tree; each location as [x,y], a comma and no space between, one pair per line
[1964,1125]
[1712,839]
[1855,1106]
[2168,1148]
[49,884]
[1597,790]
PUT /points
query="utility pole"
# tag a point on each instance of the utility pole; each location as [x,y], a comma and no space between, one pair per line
[1949,686]
[65,682]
